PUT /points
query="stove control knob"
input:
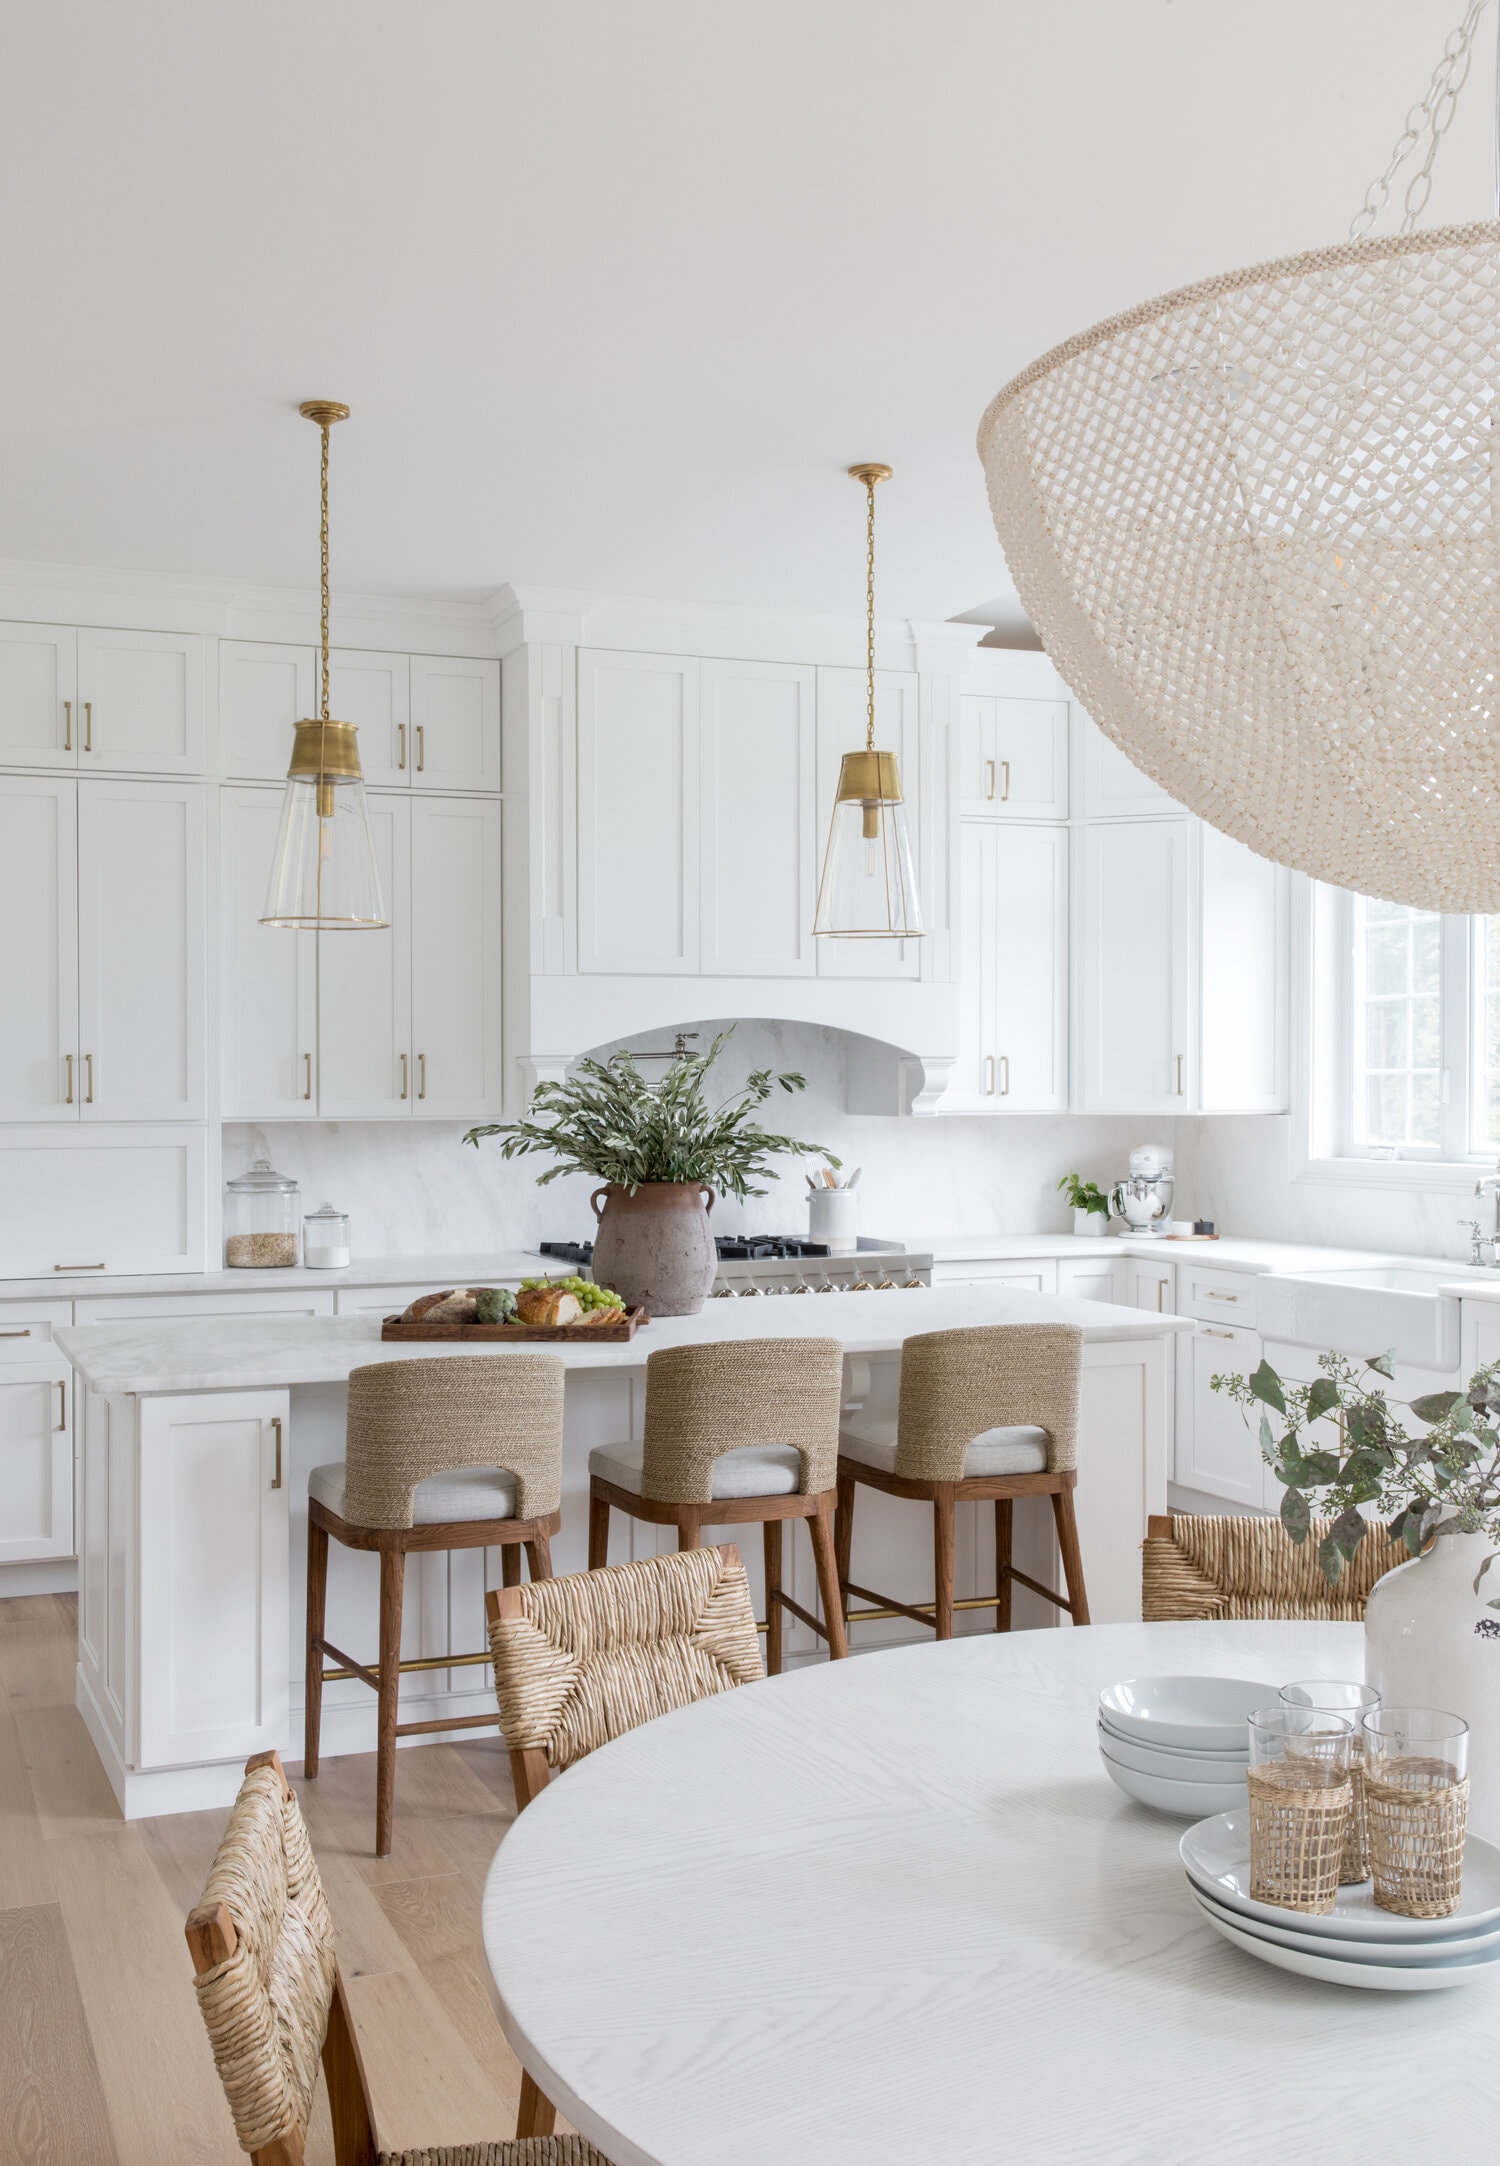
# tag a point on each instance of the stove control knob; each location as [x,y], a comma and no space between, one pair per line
[917,1282]
[861,1286]
[723,1293]
[749,1290]
[827,1287]
[886,1286]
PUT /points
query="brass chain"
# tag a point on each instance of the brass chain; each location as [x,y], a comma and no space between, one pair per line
[1432,117]
[323,569]
[870,616]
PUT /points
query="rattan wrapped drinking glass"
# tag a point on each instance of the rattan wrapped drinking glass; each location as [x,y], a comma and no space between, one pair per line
[1417,1794]
[1300,1801]
[1336,1696]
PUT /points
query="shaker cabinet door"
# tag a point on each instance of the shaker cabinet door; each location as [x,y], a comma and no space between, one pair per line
[1030,948]
[638,829]
[455,958]
[455,723]
[976,1072]
[39,718]
[268,981]
[40,1078]
[1218,1447]
[143,701]
[373,691]
[758,818]
[1136,1049]
[36,1460]
[364,991]
[264,691]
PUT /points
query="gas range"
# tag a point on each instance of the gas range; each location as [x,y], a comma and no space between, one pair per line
[760,1263]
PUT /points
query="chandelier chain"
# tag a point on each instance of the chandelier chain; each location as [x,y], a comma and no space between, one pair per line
[870,615]
[1431,118]
[323,568]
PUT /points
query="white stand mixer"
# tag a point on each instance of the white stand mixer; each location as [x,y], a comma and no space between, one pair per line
[1144,1198]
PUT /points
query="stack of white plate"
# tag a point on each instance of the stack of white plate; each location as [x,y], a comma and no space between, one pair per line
[1180,1744]
[1354,1944]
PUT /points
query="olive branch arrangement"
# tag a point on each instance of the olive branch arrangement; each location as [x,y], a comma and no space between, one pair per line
[1339,1443]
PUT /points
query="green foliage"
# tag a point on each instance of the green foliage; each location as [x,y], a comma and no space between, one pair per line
[607,1121]
[1343,1448]
[1085,1195]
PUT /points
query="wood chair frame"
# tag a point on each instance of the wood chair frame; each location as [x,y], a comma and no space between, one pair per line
[510,1536]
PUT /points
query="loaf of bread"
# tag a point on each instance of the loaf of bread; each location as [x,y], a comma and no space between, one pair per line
[548,1305]
[456,1306]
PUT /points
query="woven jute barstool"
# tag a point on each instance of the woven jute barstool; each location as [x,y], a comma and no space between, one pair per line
[458,1453]
[737,1432]
[273,1999]
[984,1414]
[582,1659]
[1207,1565]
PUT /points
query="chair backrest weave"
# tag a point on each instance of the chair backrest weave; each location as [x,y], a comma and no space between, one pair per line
[1204,1565]
[265,2004]
[704,1400]
[410,1419]
[956,1384]
[582,1659]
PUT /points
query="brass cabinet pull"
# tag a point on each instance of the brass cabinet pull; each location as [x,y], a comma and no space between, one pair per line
[1005,1075]
[62,1404]
[1005,782]
[989,1075]
[1211,1294]
[67,725]
[1161,1289]
[401,762]
[1209,1332]
[421,1075]
[307,1083]
[88,1069]
[1179,1075]
[403,1075]
[24,1334]
[88,725]
[69,1059]
[276,1432]
[78,1267]
[989,773]
[421,747]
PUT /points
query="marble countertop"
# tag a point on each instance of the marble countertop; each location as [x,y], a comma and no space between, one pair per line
[1228,1254]
[238,1353]
[498,1267]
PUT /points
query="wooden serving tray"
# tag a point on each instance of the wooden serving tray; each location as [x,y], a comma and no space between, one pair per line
[506,1334]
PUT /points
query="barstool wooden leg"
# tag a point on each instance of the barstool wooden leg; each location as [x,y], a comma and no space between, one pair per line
[392,1585]
[598,1531]
[771,1534]
[1004,1521]
[536,2115]
[317,1605]
[824,1542]
[942,1558]
[510,1564]
[843,1527]
[539,1555]
[689,1530]
[1072,1555]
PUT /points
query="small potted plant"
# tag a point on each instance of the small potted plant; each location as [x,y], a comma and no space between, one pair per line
[663,1154]
[1090,1204]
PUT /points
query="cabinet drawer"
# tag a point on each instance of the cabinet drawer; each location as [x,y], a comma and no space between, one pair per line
[1091,1281]
[1218,1297]
[26,1331]
[1031,1277]
[134,1308]
[379,1300]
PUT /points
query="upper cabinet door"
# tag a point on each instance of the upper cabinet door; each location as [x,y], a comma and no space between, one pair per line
[40,1078]
[1013,758]
[1135,951]
[638,799]
[455,947]
[39,720]
[1031,969]
[455,724]
[143,701]
[364,991]
[842,697]
[141,950]
[268,992]
[1243,997]
[759,819]
[1108,786]
[263,692]
[373,691]
[975,1073]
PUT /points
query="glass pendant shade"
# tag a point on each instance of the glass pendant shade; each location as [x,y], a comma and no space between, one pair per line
[324,877]
[868,890]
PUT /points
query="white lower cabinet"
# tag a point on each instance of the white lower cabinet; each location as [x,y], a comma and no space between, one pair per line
[1088,1279]
[36,1443]
[1218,1448]
[1148,1285]
[1027,1275]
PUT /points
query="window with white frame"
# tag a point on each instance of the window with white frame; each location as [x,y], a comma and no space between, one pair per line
[1418,1038]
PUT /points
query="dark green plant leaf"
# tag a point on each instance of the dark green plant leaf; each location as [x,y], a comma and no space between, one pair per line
[1348,1531]
[1266,1385]
[1331,1558]
[1321,1396]
[1436,1405]
[1295,1515]
[1479,1575]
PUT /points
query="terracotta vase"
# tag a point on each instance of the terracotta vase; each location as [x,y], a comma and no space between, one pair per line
[654,1248]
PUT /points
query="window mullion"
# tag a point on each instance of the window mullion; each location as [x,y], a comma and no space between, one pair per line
[1457,1000]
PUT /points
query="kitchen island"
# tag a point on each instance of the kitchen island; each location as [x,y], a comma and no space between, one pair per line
[198,1438]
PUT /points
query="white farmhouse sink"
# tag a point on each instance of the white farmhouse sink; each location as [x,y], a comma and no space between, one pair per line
[1372,1309]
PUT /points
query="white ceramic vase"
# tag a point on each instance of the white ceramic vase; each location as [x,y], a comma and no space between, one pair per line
[1423,1648]
[1092,1223]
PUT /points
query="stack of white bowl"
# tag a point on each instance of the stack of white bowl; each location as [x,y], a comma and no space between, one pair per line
[1179,1744]
[1356,1943]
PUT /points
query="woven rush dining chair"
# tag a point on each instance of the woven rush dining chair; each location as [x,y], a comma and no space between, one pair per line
[732,1433]
[1212,1565]
[582,1659]
[985,1414]
[274,2004]
[461,1452]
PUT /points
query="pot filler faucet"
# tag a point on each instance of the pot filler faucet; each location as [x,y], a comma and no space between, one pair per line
[1479,1242]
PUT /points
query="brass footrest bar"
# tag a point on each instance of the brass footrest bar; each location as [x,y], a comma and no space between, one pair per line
[371,1677]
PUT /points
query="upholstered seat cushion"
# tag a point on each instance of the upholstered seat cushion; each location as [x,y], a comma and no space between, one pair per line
[994,1451]
[465,1493]
[751,1470]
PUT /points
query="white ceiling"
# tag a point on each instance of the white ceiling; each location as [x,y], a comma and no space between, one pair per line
[617,291]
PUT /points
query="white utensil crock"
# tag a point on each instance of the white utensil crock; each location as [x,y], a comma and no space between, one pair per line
[833,1219]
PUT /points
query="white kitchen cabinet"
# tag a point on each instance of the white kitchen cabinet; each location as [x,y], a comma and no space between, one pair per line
[373,691]
[1013,949]
[455,958]
[40,1078]
[78,1202]
[1089,1278]
[1135,947]
[1218,1448]
[36,1452]
[299,1300]
[268,974]
[141,918]
[264,691]
[455,723]
[759,845]
[638,814]
[1148,1284]
[1106,785]
[142,702]
[212,1586]
[1030,1275]
[842,715]
[40,725]
[1013,758]
[1244,1000]
[364,991]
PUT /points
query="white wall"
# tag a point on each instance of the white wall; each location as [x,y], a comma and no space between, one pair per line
[415,1189]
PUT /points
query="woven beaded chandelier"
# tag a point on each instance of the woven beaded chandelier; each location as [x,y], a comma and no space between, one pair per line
[1256,524]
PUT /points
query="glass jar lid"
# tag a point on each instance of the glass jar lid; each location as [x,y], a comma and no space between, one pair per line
[261,1180]
[326,1211]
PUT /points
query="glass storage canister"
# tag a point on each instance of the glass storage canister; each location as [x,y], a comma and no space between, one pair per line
[325,1239]
[261,1213]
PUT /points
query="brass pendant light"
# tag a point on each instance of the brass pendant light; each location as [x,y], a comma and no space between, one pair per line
[868,890]
[324,877]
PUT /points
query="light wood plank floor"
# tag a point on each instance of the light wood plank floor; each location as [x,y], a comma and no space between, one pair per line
[103,2056]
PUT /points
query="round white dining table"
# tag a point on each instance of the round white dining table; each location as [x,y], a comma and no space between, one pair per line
[891,1911]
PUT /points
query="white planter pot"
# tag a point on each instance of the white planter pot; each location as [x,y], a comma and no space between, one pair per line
[1422,1650]
[1089,1222]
